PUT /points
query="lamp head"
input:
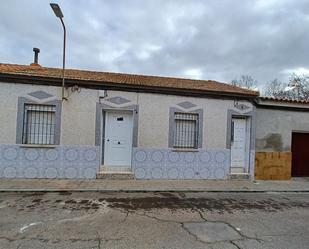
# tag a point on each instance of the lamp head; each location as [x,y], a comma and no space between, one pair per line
[56,9]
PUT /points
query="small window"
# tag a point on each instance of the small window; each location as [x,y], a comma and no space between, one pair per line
[39,124]
[185,130]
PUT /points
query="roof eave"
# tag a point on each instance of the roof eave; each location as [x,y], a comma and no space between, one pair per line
[280,105]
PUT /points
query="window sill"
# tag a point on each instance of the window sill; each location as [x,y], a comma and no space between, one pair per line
[184,150]
[43,146]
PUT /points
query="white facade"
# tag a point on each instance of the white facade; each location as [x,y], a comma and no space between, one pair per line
[79,131]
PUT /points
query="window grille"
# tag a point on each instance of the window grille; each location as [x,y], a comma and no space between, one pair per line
[39,124]
[186,130]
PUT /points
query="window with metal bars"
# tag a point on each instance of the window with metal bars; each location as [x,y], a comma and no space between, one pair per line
[185,130]
[39,124]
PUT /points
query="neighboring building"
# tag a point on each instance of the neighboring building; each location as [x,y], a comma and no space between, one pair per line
[282,138]
[148,127]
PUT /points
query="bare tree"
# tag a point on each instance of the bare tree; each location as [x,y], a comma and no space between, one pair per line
[245,81]
[296,88]
[299,85]
[276,89]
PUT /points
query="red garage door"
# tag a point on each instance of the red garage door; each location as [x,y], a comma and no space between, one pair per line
[300,154]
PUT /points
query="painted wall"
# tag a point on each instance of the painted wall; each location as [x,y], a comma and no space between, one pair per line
[78,115]
[9,94]
[153,125]
[77,151]
[78,118]
[274,128]
[154,122]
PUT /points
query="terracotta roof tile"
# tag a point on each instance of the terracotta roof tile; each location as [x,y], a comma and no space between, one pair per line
[126,79]
[284,100]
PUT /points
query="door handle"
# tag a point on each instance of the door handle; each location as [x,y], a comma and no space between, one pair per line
[118,142]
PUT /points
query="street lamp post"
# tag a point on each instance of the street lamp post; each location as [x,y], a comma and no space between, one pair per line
[58,13]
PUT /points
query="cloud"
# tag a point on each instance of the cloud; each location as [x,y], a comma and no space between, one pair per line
[298,71]
[193,73]
[212,39]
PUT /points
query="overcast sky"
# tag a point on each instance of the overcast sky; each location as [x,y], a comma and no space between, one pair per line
[213,39]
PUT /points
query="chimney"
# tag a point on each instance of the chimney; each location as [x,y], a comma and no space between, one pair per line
[36,57]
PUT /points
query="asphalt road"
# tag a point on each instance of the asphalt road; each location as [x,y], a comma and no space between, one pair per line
[154,220]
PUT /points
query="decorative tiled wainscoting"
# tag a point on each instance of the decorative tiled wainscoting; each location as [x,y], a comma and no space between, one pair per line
[59,162]
[168,164]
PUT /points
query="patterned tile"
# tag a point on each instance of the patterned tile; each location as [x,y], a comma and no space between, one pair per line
[168,164]
[67,161]
[60,162]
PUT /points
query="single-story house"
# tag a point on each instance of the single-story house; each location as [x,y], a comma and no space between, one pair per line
[137,126]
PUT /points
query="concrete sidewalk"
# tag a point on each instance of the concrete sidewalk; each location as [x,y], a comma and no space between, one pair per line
[48,185]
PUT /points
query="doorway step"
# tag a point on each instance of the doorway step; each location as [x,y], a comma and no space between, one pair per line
[115,173]
[237,170]
[239,176]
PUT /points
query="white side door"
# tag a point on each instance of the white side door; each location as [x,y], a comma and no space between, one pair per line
[239,145]
[118,138]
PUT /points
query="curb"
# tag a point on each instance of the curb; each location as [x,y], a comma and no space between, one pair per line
[149,190]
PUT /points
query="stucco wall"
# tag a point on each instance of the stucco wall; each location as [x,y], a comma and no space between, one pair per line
[274,128]
[154,109]
[154,121]
[79,113]
[9,94]
[77,116]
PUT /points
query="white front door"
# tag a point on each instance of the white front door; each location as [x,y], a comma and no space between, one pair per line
[118,138]
[239,145]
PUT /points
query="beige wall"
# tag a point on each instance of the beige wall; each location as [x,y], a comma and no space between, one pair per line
[78,115]
[78,118]
[153,127]
[274,128]
[9,94]
[154,119]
